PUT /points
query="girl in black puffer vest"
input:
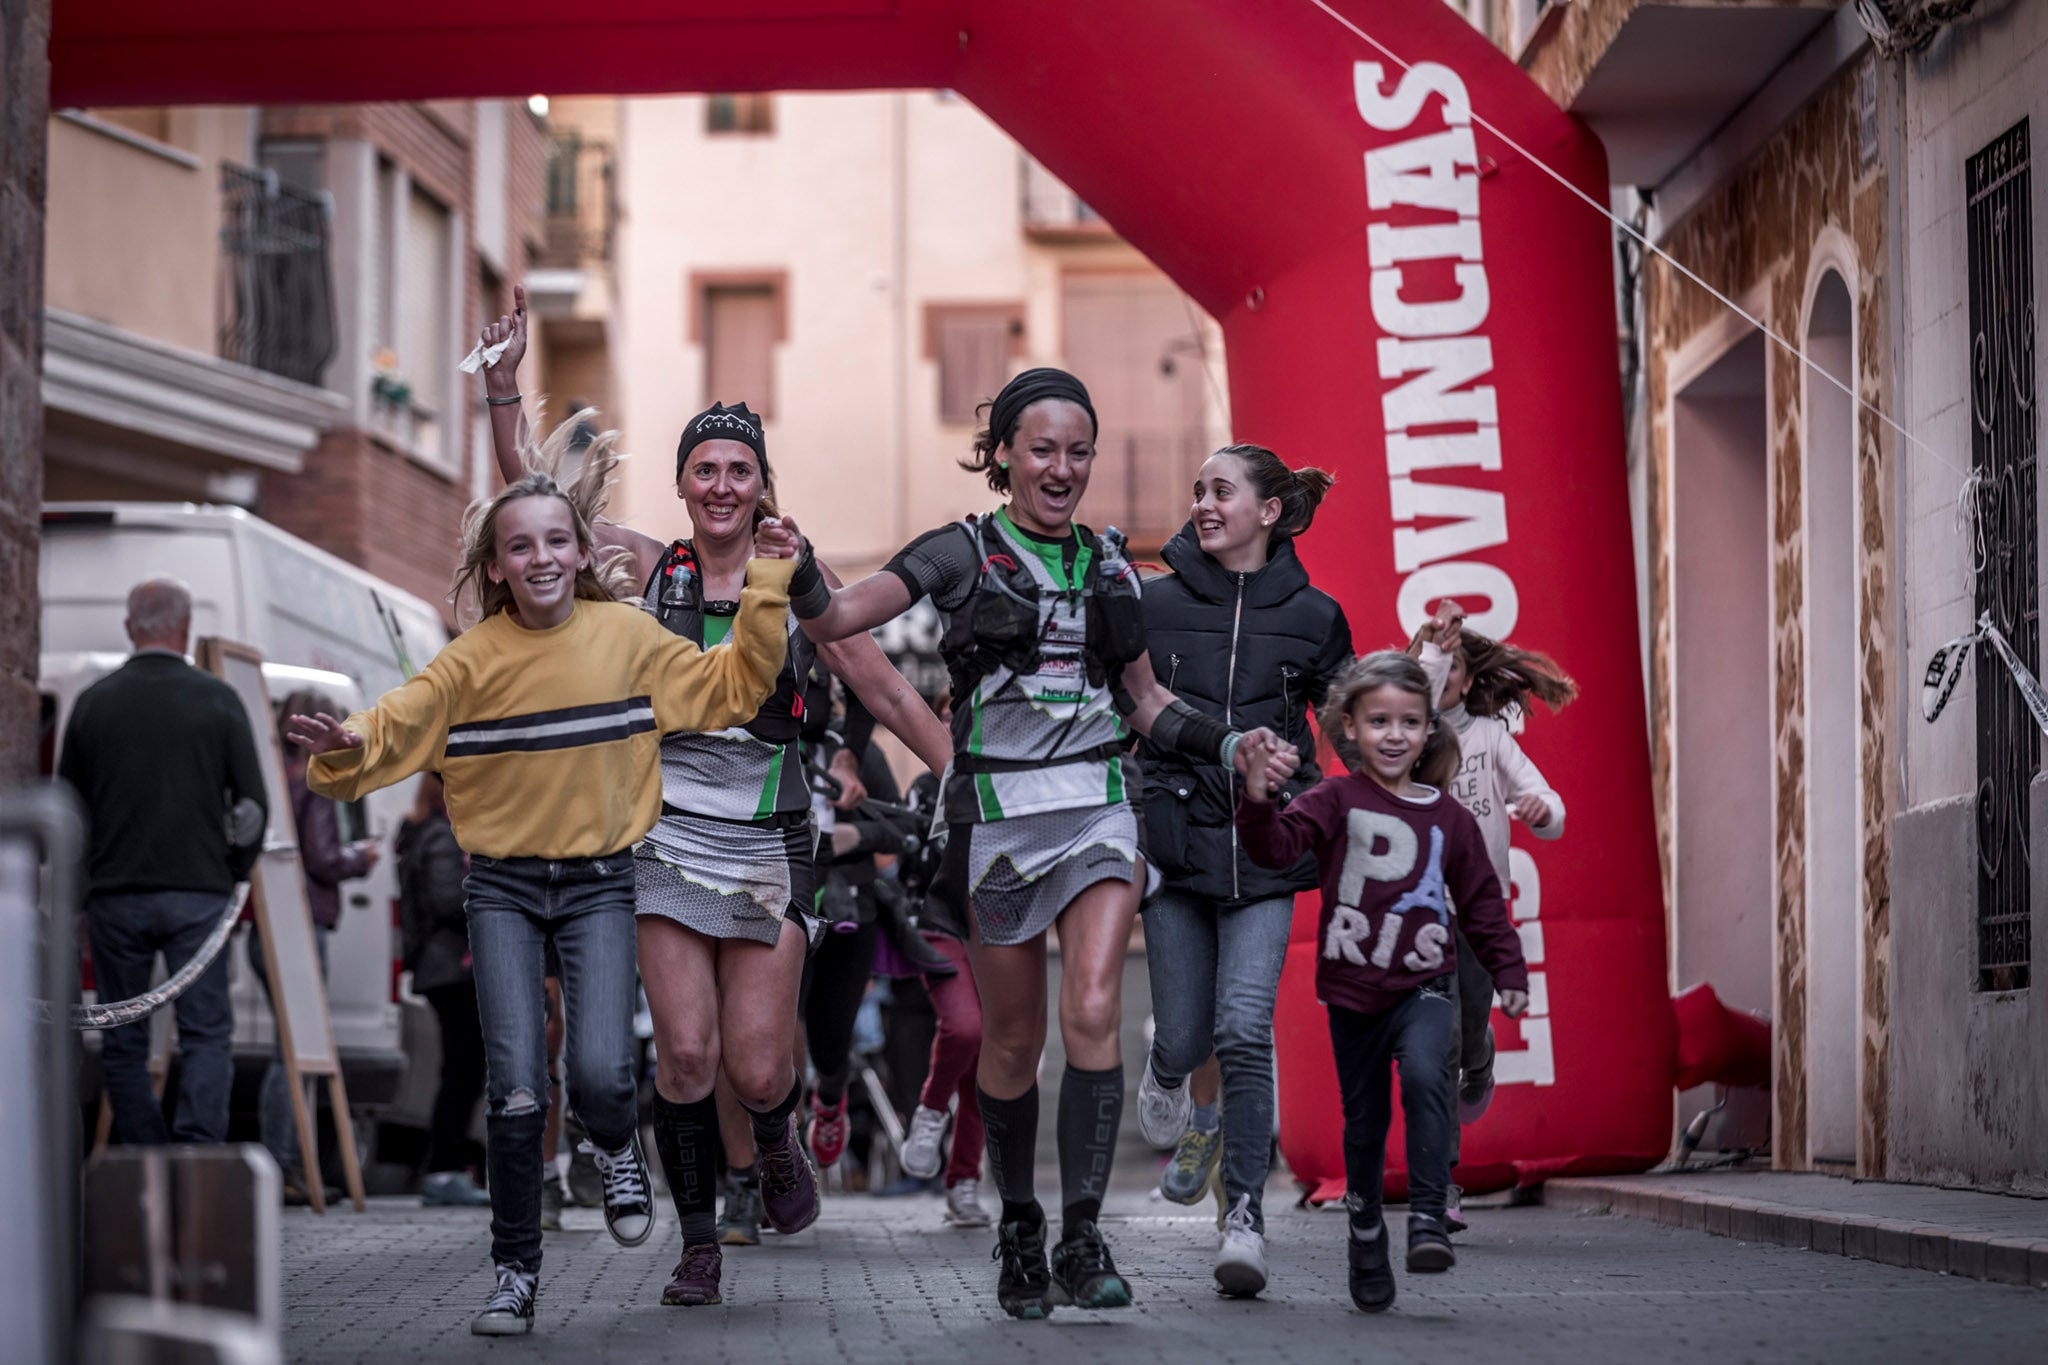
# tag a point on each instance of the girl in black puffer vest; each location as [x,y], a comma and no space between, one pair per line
[1240,633]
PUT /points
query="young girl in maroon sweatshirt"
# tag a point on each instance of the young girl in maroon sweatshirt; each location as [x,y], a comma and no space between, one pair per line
[1397,858]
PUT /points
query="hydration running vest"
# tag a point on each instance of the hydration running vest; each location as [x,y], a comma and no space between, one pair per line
[748,772]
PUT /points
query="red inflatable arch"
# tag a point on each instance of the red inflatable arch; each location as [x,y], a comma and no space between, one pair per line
[1405,300]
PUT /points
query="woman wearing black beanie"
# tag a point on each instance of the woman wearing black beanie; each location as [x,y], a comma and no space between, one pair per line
[1049,667]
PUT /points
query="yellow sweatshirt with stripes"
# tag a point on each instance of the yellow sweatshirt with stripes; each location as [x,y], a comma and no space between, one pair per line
[549,741]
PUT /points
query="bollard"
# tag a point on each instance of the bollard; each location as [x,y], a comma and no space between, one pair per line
[42,843]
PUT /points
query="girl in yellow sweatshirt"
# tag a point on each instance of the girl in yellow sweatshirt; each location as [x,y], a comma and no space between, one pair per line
[545,722]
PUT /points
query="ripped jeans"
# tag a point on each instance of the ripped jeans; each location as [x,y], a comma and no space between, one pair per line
[516,906]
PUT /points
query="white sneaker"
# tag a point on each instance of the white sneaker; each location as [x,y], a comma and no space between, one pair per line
[1240,1253]
[921,1155]
[1162,1113]
[628,1206]
[963,1206]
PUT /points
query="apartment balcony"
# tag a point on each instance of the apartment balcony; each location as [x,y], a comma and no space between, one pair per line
[570,282]
[1051,212]
[1660,82]
[276,278]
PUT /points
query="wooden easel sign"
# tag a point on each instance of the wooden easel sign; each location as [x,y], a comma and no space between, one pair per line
[278,890]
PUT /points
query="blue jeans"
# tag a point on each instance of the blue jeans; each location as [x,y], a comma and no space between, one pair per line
[127,930]
[516,908]
[1417,1034]
[275,1123]
[1215,974]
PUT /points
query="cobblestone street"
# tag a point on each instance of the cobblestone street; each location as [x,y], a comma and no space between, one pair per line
[884,1280]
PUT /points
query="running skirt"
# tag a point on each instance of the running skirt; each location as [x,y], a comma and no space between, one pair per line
[727,878]
[1019,873]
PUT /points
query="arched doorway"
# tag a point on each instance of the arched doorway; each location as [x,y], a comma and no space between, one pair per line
[1834,769]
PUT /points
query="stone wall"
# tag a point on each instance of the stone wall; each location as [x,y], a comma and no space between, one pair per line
[1759,232]
[24,119]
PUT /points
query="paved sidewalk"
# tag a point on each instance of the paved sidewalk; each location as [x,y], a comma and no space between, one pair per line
[884,1280]
[2001,1238]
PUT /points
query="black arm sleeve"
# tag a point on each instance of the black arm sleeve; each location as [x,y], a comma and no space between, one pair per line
[940,564]
[1182,729]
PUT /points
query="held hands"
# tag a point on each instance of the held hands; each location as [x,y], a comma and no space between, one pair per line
[501,375]
[777,538]
[1514,1004]
[1446,628]
[320,734]
[1533,811]
[1266,761]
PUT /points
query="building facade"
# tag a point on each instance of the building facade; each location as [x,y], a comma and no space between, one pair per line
[865,269]
[263,307]
[1800,554]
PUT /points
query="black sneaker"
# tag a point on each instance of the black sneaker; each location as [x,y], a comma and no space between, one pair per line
[1429,1245]
[1023,1285]
[628,1206]
[1372,1275]
[1084,1275]
[509,1310]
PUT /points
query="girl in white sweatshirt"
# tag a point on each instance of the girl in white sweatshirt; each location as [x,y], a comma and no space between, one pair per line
[1483,689]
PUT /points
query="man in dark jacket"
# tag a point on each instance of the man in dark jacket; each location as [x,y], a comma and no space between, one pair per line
[162,756]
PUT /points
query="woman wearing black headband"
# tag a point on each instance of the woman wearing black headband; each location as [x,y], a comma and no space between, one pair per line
[724,879]
[1047,651]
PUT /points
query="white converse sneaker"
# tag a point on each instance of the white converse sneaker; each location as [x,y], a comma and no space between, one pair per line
[963,1205]
[1240,1253]
[628,1207]
[921,1155]
[1162,1113]
[509,1311]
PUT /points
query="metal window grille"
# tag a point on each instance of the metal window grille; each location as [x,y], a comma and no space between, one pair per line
[2004,443]
[277,310]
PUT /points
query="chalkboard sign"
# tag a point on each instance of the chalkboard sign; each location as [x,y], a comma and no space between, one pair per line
[291,958]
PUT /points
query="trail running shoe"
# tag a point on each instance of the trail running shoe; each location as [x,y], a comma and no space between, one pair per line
[1372,1275]
[1240,1253]
[1083,1273]
[509,1310]
[1186,1178]
[923,1152]
[829,1131]
[628,1207]
[695,1283]
[789,1183]
[741,1224]
[1162,1113]
[1429,1245]
[963,1205]
[1023,1285]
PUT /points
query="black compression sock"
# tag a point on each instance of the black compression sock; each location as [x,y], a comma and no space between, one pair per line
[1091,1108]
[1030,1214]
[771,1126]
[686,1136]
[1011,1128]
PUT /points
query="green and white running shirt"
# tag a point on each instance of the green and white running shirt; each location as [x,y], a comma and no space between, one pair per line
[1037,718]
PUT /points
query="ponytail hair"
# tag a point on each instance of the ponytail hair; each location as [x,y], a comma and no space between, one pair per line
[1300,491]
[1438,762]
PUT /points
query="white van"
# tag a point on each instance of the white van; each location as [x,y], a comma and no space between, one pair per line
[315,619]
